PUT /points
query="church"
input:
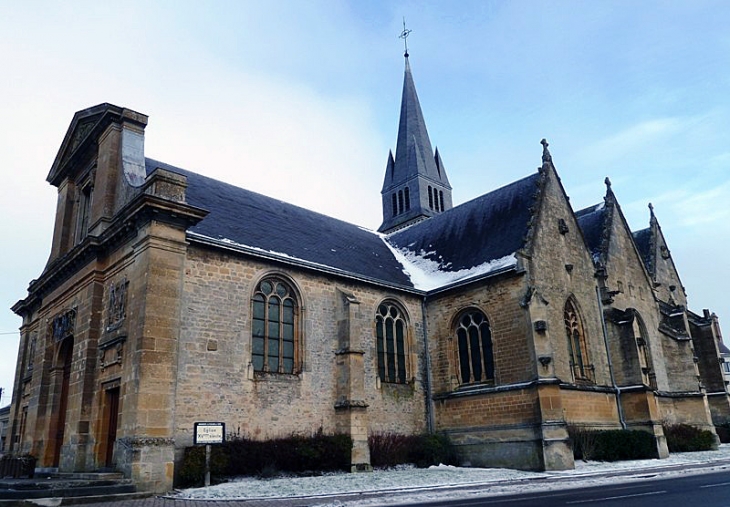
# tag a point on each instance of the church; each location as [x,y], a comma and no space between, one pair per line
[171,298]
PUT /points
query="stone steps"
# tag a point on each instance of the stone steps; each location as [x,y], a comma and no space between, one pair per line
[67,488]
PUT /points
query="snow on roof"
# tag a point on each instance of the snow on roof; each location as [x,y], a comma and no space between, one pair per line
[426,274]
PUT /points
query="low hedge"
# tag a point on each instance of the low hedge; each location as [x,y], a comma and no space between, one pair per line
[241,456]
[391,449]
[687,438]
[296,453]
[612,445]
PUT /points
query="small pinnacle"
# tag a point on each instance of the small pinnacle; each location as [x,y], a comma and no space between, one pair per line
[546,157]
[607,182]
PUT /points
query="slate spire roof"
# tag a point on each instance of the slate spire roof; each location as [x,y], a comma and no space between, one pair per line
[415,166]
[413,152]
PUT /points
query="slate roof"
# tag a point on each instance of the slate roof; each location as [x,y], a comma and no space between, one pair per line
[254,220]
[413,154]
[591,221]
[642,239]
[487,228]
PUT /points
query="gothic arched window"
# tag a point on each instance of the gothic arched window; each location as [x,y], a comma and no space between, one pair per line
[391,330]
[474,342]
[395,204]
[408,198]
[275,327]
[577,344]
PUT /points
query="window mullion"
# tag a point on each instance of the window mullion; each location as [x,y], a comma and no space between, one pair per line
[482,353]
[472,378]
[281,335]
[266,333]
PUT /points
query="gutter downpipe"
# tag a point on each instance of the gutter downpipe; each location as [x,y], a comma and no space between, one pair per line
[616,388]
[430,424]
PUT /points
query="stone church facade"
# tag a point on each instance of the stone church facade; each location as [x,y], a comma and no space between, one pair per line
[171,298]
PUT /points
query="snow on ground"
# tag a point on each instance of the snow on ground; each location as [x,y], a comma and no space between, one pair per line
[447,482]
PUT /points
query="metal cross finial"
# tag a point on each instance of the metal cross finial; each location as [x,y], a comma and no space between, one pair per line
[404,35]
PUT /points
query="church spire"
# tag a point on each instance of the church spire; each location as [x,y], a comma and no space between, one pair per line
[415,185]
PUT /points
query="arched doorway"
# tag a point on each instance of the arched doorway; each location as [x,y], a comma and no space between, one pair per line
[63,365]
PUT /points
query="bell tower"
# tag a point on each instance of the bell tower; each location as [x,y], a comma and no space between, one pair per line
[415,185]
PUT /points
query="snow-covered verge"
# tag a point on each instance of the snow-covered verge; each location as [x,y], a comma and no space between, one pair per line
[446,482]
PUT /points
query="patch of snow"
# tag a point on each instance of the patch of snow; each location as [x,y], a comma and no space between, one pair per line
[444,482]
[427,274]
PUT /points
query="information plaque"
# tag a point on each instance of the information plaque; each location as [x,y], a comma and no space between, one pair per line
[209,433]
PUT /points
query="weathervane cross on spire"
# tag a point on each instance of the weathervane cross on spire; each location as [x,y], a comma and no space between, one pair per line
[404,35]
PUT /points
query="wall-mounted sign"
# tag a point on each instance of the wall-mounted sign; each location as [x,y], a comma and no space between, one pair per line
[209,433]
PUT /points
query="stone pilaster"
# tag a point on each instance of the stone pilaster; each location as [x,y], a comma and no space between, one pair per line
[350,406]
[145,447]
[556,451]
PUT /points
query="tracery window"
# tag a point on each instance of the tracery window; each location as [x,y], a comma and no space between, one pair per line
[391,334]
[476,353]
[275,327]
[577,344]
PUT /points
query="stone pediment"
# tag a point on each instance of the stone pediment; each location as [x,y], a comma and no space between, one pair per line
[83,132]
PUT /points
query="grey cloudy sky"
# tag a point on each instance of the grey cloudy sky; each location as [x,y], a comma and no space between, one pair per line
[299,100]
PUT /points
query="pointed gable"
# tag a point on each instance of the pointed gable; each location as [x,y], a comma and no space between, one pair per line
[659,262]
[619,261]
[85,128]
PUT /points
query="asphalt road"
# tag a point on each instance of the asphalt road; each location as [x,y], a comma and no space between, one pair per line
[703,490]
